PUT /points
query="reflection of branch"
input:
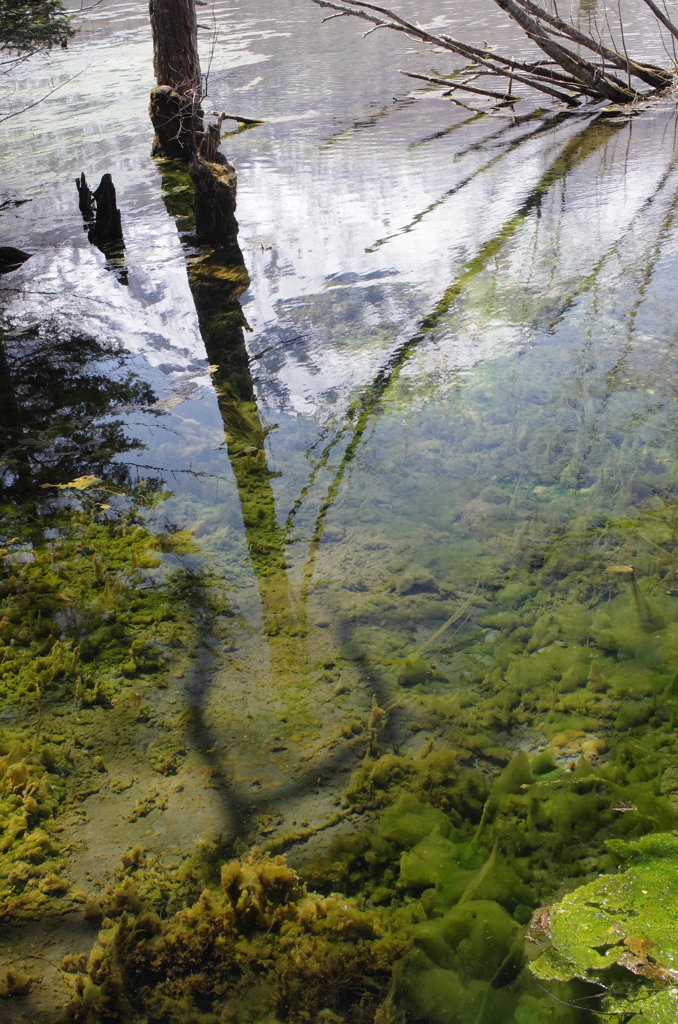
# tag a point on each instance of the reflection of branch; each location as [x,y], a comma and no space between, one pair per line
[575,466]
[544,125]
[29,106]
[373,119]
[361,410]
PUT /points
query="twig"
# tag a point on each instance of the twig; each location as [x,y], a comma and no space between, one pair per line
[660,16]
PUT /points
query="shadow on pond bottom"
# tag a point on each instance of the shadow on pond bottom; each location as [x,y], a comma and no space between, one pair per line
[434,912]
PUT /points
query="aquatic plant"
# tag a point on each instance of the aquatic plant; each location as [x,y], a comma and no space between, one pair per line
[618,933]
[259,945]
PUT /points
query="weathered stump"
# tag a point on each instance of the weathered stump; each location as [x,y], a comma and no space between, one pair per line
[107,228]
[178,122]
[85,198]
[103,222]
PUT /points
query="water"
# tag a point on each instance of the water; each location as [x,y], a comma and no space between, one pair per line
[442,487]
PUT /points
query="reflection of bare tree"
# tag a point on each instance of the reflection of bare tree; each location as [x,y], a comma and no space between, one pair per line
[367,403]
[544,124]
[217,279]
[216,285]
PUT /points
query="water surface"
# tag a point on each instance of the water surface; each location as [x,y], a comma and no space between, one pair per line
[461,354]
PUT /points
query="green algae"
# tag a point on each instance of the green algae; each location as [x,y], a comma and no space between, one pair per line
[68,637]
[619,932]
[93,604]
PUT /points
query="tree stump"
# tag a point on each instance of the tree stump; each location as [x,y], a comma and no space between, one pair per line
[103,223]
[85,198]
[107,228]
[177,120]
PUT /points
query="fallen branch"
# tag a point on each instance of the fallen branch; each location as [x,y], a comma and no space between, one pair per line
[505,97]
[236,117]
[567,75]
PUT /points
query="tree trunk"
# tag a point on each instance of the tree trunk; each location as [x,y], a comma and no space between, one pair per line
[175,104]
[178,121]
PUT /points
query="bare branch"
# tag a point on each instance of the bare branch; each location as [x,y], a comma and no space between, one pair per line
[566,68]
[654,76]
[29,106]
[660,16]
[503,96]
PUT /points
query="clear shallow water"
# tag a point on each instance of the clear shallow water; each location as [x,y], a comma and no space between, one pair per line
[462,348]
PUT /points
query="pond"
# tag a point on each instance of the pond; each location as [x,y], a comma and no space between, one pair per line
[339,587]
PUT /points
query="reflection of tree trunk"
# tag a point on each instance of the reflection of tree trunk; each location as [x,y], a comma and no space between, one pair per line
[216,284]
[10,419]
[215,187]
[175,103]
[217,281]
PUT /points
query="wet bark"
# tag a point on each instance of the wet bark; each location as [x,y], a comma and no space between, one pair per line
[178,124]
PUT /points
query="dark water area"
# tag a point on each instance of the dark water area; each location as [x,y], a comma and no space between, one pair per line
[361,556]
